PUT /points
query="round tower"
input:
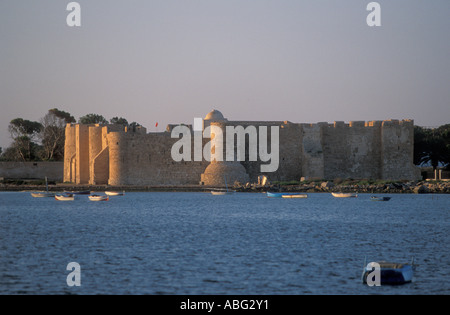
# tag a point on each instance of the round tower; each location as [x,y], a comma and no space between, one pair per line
[95,147]
[220,172]
[70,151]
[116,145]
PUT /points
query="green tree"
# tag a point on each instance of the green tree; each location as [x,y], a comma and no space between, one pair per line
[432,146]
[92,119]
[53,133]
[118,121]
[24,132]
[10,154]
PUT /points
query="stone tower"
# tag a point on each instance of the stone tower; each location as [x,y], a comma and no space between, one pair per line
[221,172]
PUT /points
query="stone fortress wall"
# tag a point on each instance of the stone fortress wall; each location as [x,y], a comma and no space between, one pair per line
[116,155]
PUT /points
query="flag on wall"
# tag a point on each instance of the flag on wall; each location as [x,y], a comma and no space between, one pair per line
[156,125]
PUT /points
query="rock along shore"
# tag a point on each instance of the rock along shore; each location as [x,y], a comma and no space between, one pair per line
[421,187]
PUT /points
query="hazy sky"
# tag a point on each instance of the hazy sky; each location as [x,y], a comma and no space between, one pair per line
[169,61]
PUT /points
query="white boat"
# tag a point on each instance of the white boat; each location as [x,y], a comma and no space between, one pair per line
[344,195]
[295,196]
[43,194]
[98,198]
[221,192]
[285,194]
[390,273]
[65,197]
[115,193]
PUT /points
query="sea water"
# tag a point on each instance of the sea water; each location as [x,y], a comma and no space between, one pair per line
[196,243]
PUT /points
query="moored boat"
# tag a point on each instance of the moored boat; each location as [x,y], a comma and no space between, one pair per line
[389,273]
[295,196]
[376,198]
[42,194]
[221,192]
[66,197]
[285,194]
[82,192]
[115,193]
[98,198]
[344,195]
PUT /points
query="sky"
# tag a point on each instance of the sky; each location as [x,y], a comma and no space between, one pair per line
[169,61]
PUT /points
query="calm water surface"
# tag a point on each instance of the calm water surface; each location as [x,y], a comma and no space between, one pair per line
[196,243]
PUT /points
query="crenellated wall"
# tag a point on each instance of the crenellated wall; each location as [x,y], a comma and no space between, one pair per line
[352,150]
[397,150]
[116,155]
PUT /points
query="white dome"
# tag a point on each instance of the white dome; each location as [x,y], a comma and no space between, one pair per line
[215,115]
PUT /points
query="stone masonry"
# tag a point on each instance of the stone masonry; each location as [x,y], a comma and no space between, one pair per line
[118,155]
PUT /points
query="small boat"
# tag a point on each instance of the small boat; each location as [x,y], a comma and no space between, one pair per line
[285,195]
[344,195]
[115,193]
[82,192]
[43,194]
[98,198]
[390,273]
[66,197]
[295,196]
[222,192]
[375,198]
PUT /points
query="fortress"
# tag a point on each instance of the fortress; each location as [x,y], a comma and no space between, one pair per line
[119,155]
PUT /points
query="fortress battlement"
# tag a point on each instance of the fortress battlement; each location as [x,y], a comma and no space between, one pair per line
[123,155]
[364,124]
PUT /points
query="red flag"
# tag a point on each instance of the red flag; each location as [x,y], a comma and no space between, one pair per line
[156,125]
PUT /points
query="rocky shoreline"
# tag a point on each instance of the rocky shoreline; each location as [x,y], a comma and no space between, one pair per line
[421,187]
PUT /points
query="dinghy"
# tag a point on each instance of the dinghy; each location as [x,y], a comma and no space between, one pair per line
[285,195]
[375,198]
[82,192]
[390,273]
[43,194]
[98,198]
[67,197]
[344,195]
[115,193]
[295,196]
[222,192]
